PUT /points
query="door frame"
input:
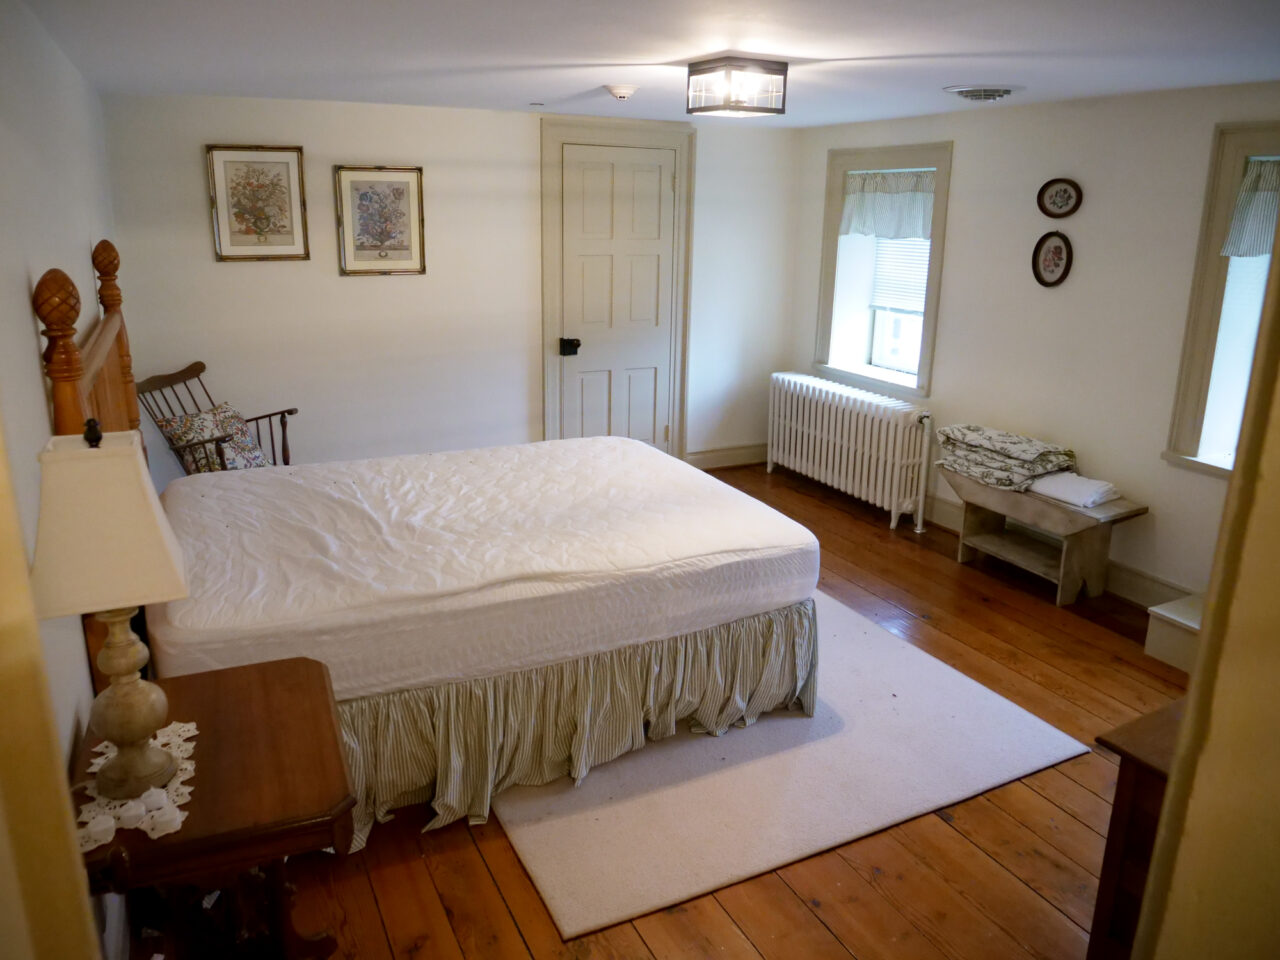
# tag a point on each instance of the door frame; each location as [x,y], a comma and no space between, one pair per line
[604,132]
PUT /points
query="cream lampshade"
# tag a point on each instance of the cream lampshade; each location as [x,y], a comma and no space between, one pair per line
[104,545]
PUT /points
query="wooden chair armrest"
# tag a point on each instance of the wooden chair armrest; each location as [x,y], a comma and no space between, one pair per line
[217,447]
[284,416]
[291,412]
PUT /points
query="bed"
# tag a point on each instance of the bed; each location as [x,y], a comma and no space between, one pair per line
[488,617]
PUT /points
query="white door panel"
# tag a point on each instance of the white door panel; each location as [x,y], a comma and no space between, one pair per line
[642,404]
[618,254]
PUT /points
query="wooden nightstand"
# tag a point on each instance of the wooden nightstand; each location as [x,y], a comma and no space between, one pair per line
[270,782]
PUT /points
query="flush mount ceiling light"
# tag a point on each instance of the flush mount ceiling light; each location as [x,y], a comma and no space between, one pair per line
[981,94]
[737,87]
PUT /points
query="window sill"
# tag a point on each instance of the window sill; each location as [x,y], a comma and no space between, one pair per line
[1196,464]
[899,390]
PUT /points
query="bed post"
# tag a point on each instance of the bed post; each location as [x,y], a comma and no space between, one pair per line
[57,303]
[106,261]
[75,385]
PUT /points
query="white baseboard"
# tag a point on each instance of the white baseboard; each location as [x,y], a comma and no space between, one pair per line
[1144,589]
[1136,586]
[945,513]
[728,456]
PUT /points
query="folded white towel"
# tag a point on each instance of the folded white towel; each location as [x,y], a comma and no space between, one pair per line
[1072,488]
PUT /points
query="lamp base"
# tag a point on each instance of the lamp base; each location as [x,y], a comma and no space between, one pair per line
[128,713]
[135,769]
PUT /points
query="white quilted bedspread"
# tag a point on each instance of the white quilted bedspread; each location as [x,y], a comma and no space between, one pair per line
[365,542]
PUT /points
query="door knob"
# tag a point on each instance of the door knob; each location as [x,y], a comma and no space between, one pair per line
[569,346]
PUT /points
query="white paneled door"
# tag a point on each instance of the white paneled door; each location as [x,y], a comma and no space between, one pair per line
[619,248]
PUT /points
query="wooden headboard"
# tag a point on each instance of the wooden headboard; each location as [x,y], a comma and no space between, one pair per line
[90,380]
[96,379]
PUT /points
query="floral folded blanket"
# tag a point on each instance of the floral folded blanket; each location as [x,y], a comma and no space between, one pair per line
[1000,459]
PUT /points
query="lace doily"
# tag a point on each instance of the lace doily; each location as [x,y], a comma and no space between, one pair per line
[176,738]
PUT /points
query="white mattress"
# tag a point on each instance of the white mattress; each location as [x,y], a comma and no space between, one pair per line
[408,571]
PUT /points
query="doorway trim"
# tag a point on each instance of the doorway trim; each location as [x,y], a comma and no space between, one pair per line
[605,132]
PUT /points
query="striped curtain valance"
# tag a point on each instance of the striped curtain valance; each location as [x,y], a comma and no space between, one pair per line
[893,204]
[1253,224]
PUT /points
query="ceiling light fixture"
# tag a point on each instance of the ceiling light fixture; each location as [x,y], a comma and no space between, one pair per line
[737,87]
[980,94]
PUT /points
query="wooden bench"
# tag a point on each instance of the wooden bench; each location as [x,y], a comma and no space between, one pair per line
[1085,534]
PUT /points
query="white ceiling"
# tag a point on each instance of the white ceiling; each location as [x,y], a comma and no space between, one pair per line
[851,59]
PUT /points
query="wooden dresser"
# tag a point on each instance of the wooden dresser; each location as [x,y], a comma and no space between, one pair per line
[1146,747]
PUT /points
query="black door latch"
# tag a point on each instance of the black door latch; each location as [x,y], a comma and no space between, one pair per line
[569,346]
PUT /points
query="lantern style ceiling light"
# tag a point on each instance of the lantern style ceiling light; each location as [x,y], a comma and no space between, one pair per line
[737,87]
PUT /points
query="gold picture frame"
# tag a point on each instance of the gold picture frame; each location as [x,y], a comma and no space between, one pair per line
[257,201]
[381,226]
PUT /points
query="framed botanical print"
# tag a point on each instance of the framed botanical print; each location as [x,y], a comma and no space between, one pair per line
[380,223]
[258,202]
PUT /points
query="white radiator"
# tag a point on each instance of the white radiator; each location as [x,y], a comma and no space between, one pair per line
[873,447]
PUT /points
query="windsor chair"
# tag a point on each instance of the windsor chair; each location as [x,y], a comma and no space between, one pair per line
[177,394]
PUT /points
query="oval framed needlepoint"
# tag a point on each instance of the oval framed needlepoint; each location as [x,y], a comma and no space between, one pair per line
[1051,259]
[1059,197]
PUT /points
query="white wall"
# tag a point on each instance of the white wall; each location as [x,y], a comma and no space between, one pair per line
[55,203]
[1093,363]
[382,365]
[376,365]
[741,281]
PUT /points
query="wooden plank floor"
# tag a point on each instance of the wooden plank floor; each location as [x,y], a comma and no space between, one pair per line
[1012,873]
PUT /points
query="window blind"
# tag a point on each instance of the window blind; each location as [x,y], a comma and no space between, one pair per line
[901,272]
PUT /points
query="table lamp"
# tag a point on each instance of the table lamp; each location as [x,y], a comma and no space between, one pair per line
[104,546]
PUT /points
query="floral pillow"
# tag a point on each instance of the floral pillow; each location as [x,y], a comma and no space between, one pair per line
[241,451]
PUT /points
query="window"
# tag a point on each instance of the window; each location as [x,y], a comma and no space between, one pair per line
[1232,264]
[881,263]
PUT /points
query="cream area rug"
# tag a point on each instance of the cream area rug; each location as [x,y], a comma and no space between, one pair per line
[896,734]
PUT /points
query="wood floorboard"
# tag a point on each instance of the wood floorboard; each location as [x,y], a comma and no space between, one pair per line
[1012,873]
[1052,824]
[956,926]
[1093,772]
[416,922]
[1062,882]
[1040,927]
[777,922]
[483,925]
[693,930]
[1078,801]
[334,895]
[864,920]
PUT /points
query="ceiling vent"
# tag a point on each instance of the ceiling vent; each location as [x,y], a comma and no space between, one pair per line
[980,94]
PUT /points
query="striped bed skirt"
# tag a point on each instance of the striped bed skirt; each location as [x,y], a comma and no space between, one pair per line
[457,744]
